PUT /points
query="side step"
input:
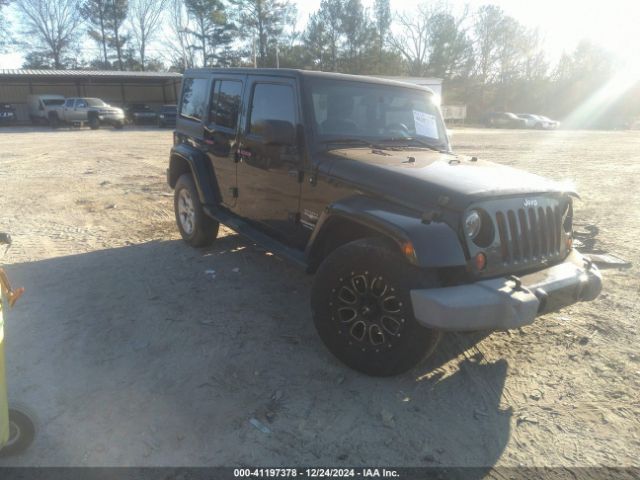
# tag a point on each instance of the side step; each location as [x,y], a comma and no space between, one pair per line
[247,230]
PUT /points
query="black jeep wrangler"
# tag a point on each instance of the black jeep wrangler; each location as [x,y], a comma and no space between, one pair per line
[353,178]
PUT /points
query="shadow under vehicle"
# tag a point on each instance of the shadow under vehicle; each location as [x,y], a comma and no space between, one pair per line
[354,179]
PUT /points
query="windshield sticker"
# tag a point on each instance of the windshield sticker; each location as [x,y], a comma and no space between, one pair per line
[425,123]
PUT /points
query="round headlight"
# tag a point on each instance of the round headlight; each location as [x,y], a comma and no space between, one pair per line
[472,224]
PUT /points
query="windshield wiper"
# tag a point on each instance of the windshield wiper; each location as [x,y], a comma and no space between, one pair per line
[349,140]
[421,143]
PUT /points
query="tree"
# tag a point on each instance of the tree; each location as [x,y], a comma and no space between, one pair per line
[95,13]
[117,11]
[382,12]
[264,21]
[4,26]
[211,28]
[51,26]
[181,51]
[451,50]
[359,36]
[145,18]
[330,15]
[487,35]
[412,39]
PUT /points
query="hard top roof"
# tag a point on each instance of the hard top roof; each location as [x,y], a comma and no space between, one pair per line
[296,73]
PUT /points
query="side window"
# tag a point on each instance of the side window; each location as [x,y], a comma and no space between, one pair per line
[69,102]
[81,103]
[271,102]
[194,96]
[225,103]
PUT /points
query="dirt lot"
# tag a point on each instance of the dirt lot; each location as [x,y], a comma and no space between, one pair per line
[130,354]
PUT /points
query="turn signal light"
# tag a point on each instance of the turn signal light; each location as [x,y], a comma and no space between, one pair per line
[409,251]
[481,261]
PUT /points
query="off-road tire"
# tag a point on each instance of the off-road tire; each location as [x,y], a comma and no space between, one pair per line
[21,430]
[118,125]
[205,229]
[391,343]
[94,122]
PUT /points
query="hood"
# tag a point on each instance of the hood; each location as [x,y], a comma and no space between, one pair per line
[431,175]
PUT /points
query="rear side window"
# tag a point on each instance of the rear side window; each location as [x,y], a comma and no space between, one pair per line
[271,102]
[194,96]
[225,103]
[69,102]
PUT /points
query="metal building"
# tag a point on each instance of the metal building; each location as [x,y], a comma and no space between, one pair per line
[116,88]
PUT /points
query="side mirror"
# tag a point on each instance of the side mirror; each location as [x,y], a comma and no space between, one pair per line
[276,132]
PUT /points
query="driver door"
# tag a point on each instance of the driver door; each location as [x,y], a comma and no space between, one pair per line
[270,176]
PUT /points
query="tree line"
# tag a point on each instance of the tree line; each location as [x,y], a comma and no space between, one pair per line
[488,59]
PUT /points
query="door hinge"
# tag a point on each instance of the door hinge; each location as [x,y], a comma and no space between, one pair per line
[234,192]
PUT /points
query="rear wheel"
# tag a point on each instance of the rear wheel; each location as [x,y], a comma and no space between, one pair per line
[362,308]
[196,228]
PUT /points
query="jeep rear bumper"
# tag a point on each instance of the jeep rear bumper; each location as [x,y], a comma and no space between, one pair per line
[508,302]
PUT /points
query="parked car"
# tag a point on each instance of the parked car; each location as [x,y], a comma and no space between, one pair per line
[7,114]
[504,120]
[40,105]
[353,178]
[92,111]
[538,121]
[167,116]
[140,113]
[547,123]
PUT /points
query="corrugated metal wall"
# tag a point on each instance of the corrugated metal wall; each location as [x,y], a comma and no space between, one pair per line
[151,91]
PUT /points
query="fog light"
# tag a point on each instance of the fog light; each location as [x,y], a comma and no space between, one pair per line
[481,261]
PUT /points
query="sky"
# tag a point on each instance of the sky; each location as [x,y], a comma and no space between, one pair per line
[612,24]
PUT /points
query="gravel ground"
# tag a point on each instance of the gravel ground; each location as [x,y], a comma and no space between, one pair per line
[130,354]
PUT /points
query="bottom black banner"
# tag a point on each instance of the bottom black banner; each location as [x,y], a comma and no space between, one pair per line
[307,473]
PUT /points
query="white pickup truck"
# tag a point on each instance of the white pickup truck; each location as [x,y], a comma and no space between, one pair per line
[92,111]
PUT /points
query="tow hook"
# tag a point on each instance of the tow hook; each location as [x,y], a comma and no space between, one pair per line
[517,283]
[588,264]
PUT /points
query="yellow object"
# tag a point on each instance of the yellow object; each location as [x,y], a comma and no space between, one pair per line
[4,402]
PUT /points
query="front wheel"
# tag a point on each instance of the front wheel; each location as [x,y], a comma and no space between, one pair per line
[362,308]
[196,228]
[94,122]
[21,433]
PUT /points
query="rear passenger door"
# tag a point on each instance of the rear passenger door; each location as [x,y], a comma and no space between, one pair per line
[270,175]
[221,133]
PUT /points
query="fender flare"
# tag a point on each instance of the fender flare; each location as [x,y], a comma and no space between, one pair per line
[436,244]
[199,167]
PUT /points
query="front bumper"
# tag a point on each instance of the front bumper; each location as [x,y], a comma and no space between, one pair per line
[508,302]
[111,118]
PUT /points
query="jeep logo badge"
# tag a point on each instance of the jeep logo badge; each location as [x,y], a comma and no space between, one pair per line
[530,202]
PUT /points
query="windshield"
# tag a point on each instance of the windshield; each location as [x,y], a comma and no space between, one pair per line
[95,102]
[53,102]
[358,110]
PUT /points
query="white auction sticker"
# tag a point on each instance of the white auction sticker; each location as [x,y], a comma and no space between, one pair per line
[425,123]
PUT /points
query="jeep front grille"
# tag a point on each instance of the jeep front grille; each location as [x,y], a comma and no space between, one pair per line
[529,234]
